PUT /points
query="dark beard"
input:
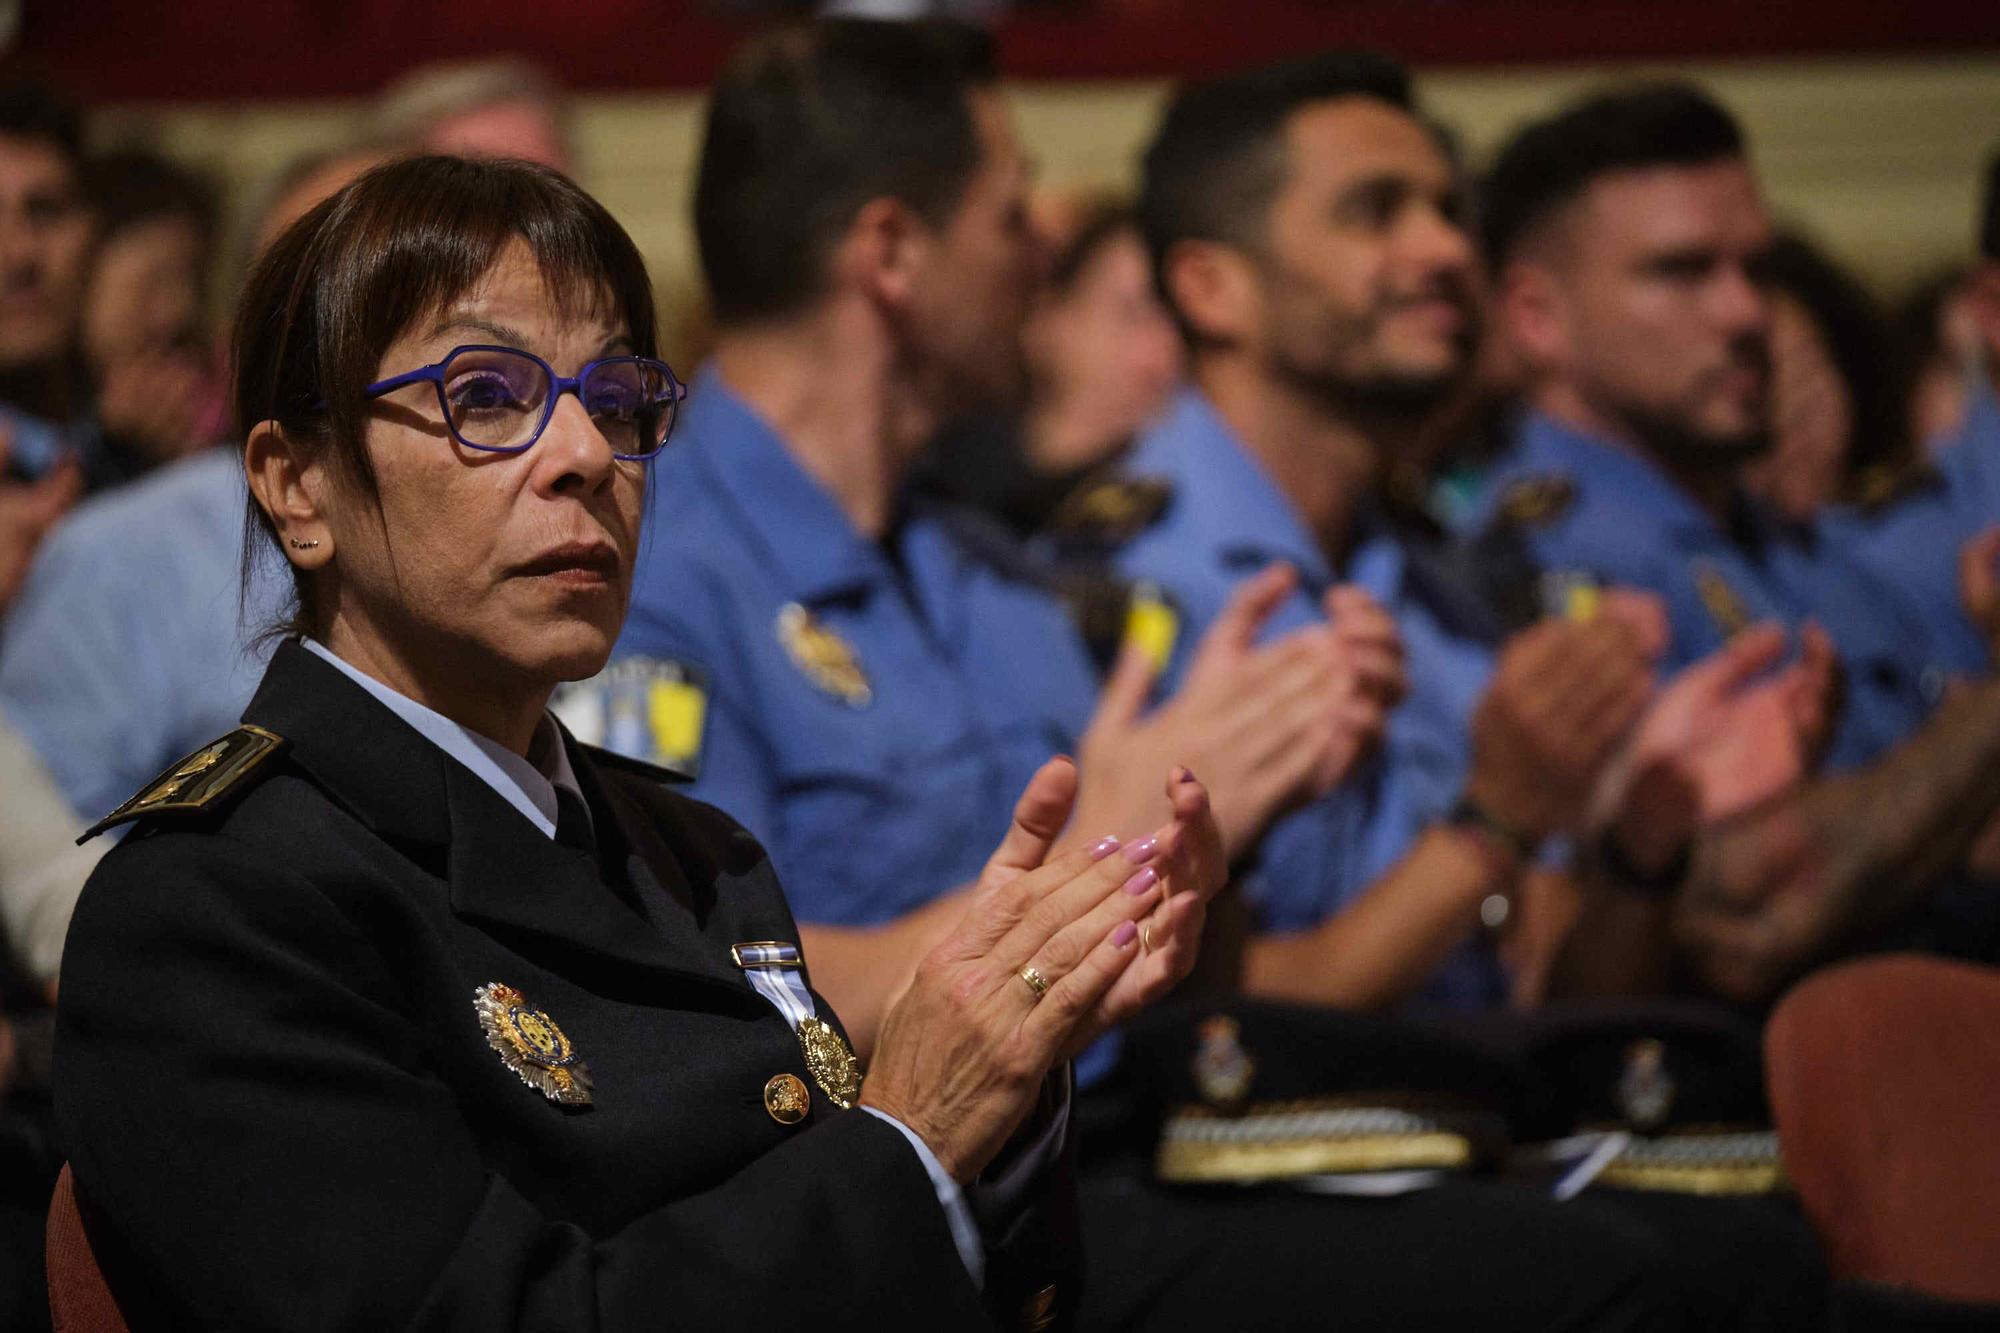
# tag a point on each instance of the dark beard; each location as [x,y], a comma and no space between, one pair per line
[1384,399]
[1681,449]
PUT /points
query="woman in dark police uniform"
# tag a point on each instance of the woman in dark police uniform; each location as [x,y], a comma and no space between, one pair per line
[398,1007]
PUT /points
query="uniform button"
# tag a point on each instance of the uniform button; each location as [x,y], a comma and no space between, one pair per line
[785,1097]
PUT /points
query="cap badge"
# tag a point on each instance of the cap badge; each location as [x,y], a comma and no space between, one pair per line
[1222,1068]
[1645,1091]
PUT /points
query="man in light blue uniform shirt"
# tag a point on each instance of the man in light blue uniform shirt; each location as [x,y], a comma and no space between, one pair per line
[1627,238]
[872,709]
[1591,509]
[131,642]
[1226,521]
[1945,498]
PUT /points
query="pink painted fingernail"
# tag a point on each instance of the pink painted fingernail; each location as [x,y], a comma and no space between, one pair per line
[1125,934]
[1142,881]
[1142,851]
[1102,848]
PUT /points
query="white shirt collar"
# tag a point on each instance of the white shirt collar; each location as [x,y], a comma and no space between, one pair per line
[526,787]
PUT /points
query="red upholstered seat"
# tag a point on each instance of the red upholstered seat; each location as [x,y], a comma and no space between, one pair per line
[1884,1078]
[79,1299]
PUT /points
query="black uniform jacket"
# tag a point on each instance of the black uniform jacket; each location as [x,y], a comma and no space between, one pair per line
[282,1110]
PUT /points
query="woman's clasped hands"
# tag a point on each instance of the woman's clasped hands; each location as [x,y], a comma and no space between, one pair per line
[1053,951]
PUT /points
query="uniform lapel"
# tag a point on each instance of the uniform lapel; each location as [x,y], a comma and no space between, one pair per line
[502,872]
[521,884]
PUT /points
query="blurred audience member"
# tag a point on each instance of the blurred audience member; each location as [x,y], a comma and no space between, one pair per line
[1631,251]
[28,510]
[1101,357]
[113,667]
[481,108]
[1918,513]
[159,390]
[1834,413]
[1939,354]
[45,238]
[41,867]
[305,182]
[1102,354]
[1630,242]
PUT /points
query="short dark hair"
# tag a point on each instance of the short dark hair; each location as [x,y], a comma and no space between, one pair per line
[132,185]
[328,297]
[1858,339]
[1551,162]
[1218,160]
[809,123]
[1989,210]
[30,109]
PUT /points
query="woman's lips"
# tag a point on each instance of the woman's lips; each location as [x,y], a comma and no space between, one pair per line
[583,564]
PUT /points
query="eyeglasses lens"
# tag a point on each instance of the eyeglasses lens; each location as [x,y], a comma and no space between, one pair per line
[632,401]
[495,399]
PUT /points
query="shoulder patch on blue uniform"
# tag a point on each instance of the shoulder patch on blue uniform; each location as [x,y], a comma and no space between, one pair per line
[649,710]
[199,782]
[1882,485]
[1537,501]
[1112,511]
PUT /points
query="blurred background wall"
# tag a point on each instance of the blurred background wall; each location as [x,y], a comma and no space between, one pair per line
[1871,123]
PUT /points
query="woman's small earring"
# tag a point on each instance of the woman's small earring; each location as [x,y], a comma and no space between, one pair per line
[298,545]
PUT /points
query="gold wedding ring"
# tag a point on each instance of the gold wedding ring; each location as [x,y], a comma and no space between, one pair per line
[1146,936]
[1037,983]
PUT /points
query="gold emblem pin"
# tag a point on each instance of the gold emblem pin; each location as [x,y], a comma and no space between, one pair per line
[1721,600]
[1534,502]
[786,1098]
[831,1063]
[827,659]
[529,1043]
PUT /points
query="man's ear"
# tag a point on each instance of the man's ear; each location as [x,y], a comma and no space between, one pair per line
[1531,312]
[289,489]
[1216,289]
[883,251]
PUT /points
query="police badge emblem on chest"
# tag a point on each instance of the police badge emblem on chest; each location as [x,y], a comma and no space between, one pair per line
[826,659]
[529,1043]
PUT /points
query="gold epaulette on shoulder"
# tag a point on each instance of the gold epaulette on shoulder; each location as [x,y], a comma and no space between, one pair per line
[1112,511]
[200,781]
[1536,501]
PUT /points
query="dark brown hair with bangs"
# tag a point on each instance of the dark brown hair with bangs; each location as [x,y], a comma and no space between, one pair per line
[327,299]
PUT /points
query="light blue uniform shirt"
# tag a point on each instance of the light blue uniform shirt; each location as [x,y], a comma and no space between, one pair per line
[875,799]
[1627,522]
[1913,541]
[1227,520]
[125,650]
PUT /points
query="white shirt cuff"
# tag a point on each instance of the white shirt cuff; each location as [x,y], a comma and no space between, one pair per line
[957,1213]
